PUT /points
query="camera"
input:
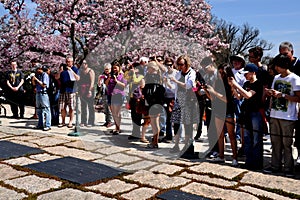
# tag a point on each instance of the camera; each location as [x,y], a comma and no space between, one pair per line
[30,76]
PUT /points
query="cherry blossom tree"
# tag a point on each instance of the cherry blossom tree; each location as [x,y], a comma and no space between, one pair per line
[23,39]
[80,27]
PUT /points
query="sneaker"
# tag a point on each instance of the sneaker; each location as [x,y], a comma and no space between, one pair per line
[38,127]
[289,174]
[234,163]
[298,161]
[271,170]
[46,129]
[218,160]
[214,155]
[175,149]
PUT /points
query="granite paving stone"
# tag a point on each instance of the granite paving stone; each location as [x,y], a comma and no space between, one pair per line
[220,170]
[33,184]
[216,193]
[148,156]
[142,193]
[4,135]
[7,194]
[144,164]
[108,163]
[113,187]
[7,172]
[26,143]
[166,169]
[66,151]
[262,193]
[43,157]
[20,161]
[46,142]
[278,182]
[161,181]
[111,150]
[122,158]
[208,179]
[86,145]
[27,138]
[183,162]
[71,194]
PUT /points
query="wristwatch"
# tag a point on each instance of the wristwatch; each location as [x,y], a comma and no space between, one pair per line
[283,95]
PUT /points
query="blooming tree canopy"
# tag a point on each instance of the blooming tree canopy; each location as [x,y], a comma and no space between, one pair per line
[79,27]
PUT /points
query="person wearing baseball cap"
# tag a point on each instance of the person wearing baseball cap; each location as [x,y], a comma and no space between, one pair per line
[249,68]
[251,118]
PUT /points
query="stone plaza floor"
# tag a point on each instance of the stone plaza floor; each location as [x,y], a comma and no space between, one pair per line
[146,174]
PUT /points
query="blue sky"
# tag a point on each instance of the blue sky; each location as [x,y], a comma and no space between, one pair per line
[276,20]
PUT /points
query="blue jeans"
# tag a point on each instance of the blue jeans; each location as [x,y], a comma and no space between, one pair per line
[253,137]
[237,112]
[43,109]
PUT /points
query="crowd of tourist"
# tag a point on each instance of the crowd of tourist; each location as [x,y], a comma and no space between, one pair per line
[244,100]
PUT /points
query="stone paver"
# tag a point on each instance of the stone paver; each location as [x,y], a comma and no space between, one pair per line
[33,184]
[28,138]
[113,187]
[142,193]
[111,150]
[20,161]
[7,194]
[65,151]
[108,163]
[122,158]
[86,145]
[4,135]
[144,164]
[46,142]
[157,180]
[166,169]
[43,157]
[215,192]
[7,172]
[278,182]
[210,180]
[26,143]
[147,172]
[220,170]
[72,194]
[262,193]
[148,156]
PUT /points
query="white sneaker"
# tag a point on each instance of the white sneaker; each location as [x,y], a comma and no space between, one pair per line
[234,163]
[298,161]
[218,160]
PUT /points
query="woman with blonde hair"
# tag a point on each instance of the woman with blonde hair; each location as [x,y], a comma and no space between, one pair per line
[153,92]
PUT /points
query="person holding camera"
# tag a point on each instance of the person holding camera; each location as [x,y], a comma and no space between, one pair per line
[41,81]
[251,92]
[115,94]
